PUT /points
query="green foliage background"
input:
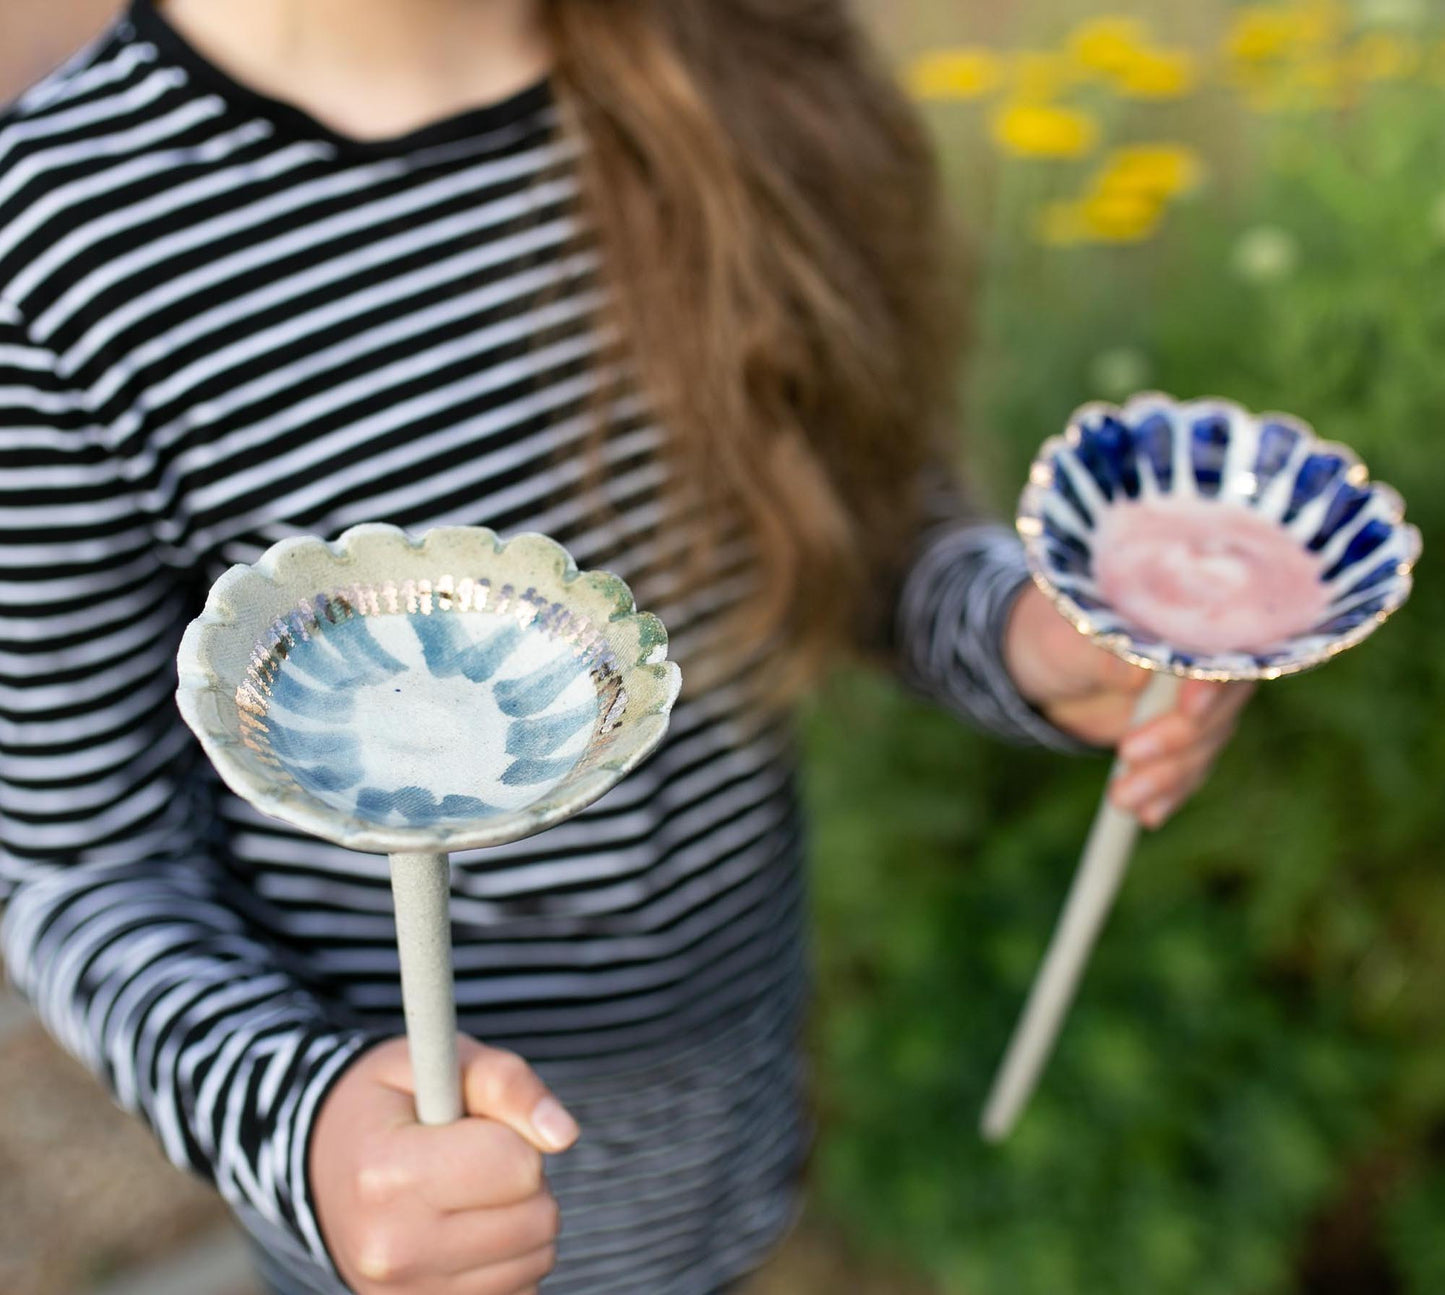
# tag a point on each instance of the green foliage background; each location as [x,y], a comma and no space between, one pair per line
[1250,1094]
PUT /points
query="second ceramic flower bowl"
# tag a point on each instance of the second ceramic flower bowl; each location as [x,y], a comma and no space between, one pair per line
[1194,539]
[394,694]
[1228,490]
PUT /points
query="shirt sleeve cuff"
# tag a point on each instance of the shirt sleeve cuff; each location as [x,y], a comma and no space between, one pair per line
[951,620]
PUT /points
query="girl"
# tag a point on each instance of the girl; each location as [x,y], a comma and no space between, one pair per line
[661,278]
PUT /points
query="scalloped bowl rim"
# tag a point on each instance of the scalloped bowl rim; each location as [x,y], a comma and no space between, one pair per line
[1030,519]
[200,684]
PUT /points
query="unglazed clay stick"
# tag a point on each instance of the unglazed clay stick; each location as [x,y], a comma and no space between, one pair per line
[421,888]
[1106,859]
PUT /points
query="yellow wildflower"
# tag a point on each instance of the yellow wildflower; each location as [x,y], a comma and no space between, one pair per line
[1101,218]
[968,72]
[1260,33]
[1121,217]
[1381,56]
[1154,170]
[1107,44]
[1158,74]
[1039,130]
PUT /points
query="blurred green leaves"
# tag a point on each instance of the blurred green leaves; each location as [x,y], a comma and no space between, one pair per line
[1263,1015]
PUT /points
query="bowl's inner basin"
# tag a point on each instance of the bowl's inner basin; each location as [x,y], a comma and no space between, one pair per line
[434,717]
[1207,576]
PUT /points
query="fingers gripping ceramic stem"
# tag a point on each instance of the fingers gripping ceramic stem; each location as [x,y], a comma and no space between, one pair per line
[1106,859]
[421,888]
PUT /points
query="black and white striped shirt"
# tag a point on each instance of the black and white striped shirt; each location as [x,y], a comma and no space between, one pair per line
[222,324]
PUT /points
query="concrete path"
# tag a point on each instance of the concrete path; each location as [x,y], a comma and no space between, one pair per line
[217,1264]
[14,1014]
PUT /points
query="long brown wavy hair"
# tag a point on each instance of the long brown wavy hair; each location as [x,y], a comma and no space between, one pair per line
[767,209]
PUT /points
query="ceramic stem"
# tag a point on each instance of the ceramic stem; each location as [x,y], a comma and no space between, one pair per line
[421,888]
[1106,859]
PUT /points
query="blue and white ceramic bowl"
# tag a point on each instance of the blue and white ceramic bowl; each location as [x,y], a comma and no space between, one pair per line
[1211,453]
[394,694]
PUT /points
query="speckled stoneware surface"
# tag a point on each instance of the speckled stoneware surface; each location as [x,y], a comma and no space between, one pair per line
[1211,453]
[396,694]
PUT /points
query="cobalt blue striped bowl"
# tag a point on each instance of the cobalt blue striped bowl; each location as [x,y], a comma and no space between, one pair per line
[423,695]
[1236,518]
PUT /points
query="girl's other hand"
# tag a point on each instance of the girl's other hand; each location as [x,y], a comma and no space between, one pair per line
[460,1209]
[1091,693]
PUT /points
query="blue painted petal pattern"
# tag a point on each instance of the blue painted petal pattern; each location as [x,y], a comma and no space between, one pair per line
[418,806]
[522,773]
[1315,476]
[326,746]
[1107,450]
[542,736]
[448,650]
[321,663]
[1367,540]
[538,690]
[1385,571]
[1064,485]
[344,656]
[1071,553]
[1353,618]
[1154,440]
[338,774]
[1277,442]
[314,703]
[352,638]
[1209,439]
[1348,503]
[1092,454]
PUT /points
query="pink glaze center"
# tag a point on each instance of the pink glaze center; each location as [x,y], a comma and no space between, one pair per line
[1205,576]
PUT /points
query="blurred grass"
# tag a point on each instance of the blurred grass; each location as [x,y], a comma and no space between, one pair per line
[1250,1095]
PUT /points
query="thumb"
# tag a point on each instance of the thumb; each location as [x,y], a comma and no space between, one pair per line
[499,1085]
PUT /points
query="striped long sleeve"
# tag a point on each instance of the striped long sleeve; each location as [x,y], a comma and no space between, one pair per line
[950,615]
[117,926]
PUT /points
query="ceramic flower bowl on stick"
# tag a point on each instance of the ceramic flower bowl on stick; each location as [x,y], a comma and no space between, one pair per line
[1198,541]
[417,696]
